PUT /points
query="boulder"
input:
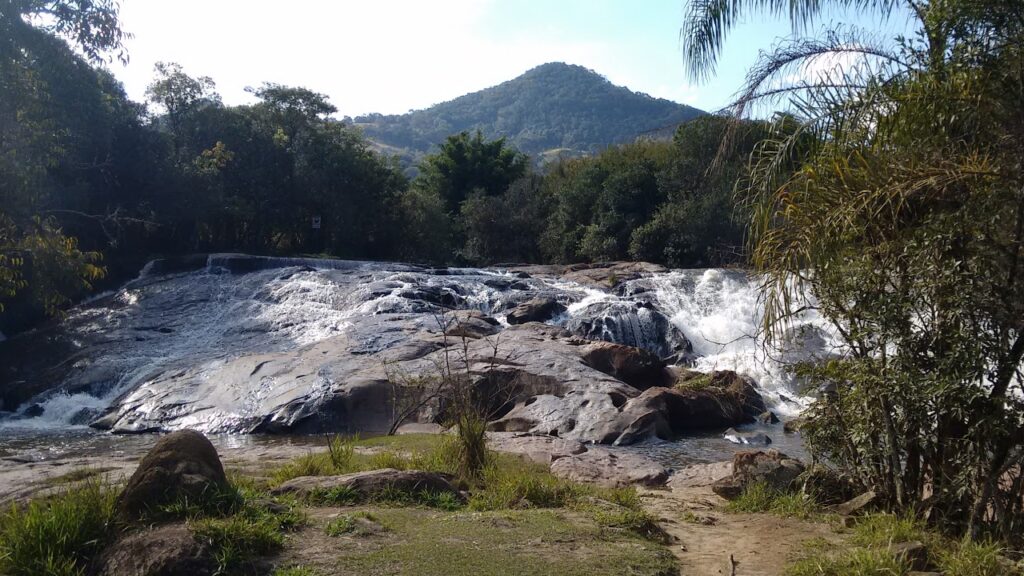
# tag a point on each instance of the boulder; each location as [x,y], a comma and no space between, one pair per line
[632,324]
[827,486]
[168,550]
[769,467]
[472,324]
[183,464]
[696,475]
[373,483]
[913,553]
[634,366]
[751,438]
[538,309]
[793,426]
[608,275]
[768,417]
[604,467]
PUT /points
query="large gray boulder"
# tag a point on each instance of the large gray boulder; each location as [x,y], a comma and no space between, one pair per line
[372,484]
[538,309]
[182,465]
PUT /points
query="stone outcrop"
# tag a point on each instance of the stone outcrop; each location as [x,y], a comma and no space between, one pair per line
[634,366]
[168,550]
[604,467]
[535,310]
[770,467]
[373,483]
[182,465]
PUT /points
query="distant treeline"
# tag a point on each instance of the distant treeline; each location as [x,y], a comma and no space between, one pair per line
[94,184]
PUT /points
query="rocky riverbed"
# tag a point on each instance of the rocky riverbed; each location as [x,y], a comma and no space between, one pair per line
[240,344]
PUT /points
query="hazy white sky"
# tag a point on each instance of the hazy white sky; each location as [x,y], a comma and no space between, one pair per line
[391,56]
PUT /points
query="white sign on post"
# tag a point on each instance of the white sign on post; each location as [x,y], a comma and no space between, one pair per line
[316,222]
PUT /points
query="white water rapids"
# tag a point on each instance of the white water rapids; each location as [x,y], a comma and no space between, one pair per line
[205,316]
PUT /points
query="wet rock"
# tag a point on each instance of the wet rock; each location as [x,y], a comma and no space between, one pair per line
[631,324]
[792,426]
[607,468]
[634,366]
[373,483]
[538,309]
[182,465]
[751,438]
[856,504]
[768,417]
[168,550]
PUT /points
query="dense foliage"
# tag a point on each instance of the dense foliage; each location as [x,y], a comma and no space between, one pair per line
[904,219]
[554,108]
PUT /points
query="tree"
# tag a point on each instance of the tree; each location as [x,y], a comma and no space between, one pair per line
[91,25]
[904,219]
[466,163]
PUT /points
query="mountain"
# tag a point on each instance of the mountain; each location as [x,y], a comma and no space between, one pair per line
[554,109]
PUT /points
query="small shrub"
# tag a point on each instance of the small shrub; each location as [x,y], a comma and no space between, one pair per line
[760,498]
[341,450]
[214,501]
[853,562]
[695,383]
[880,530]
[348,524]
[389,459]
[308,465]
[57,536]
[967,558]
[505,487]
[636,521]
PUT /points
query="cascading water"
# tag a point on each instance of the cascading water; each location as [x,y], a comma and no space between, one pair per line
[122,344]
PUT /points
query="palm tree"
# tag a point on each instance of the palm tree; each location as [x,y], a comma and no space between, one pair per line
[892,189]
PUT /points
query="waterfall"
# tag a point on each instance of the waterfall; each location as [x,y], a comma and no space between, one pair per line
[198,315]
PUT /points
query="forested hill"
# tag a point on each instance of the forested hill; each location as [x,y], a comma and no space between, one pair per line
[554,108]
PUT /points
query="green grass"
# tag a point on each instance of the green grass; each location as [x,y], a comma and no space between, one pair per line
[524,542]
[853,562]
[967,558]
[59,535]
[867,552]
[349,524]
[759,498]
[880,530]
[695,383]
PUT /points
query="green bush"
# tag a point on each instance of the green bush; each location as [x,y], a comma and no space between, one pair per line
[760,498]
[967,558]
[853,562]
[57,536]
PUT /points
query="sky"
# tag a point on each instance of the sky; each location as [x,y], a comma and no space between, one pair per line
[392,56]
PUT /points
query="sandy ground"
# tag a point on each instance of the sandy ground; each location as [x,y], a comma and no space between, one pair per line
[709,541]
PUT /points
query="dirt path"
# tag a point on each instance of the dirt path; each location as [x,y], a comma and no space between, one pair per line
[707,535]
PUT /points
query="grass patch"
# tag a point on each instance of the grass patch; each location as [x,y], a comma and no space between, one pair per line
[59,535]
[525,542]
[760,498]
[350,525]
[694,383]
[967,558]
[254,526]
[880,530]
[854,562]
